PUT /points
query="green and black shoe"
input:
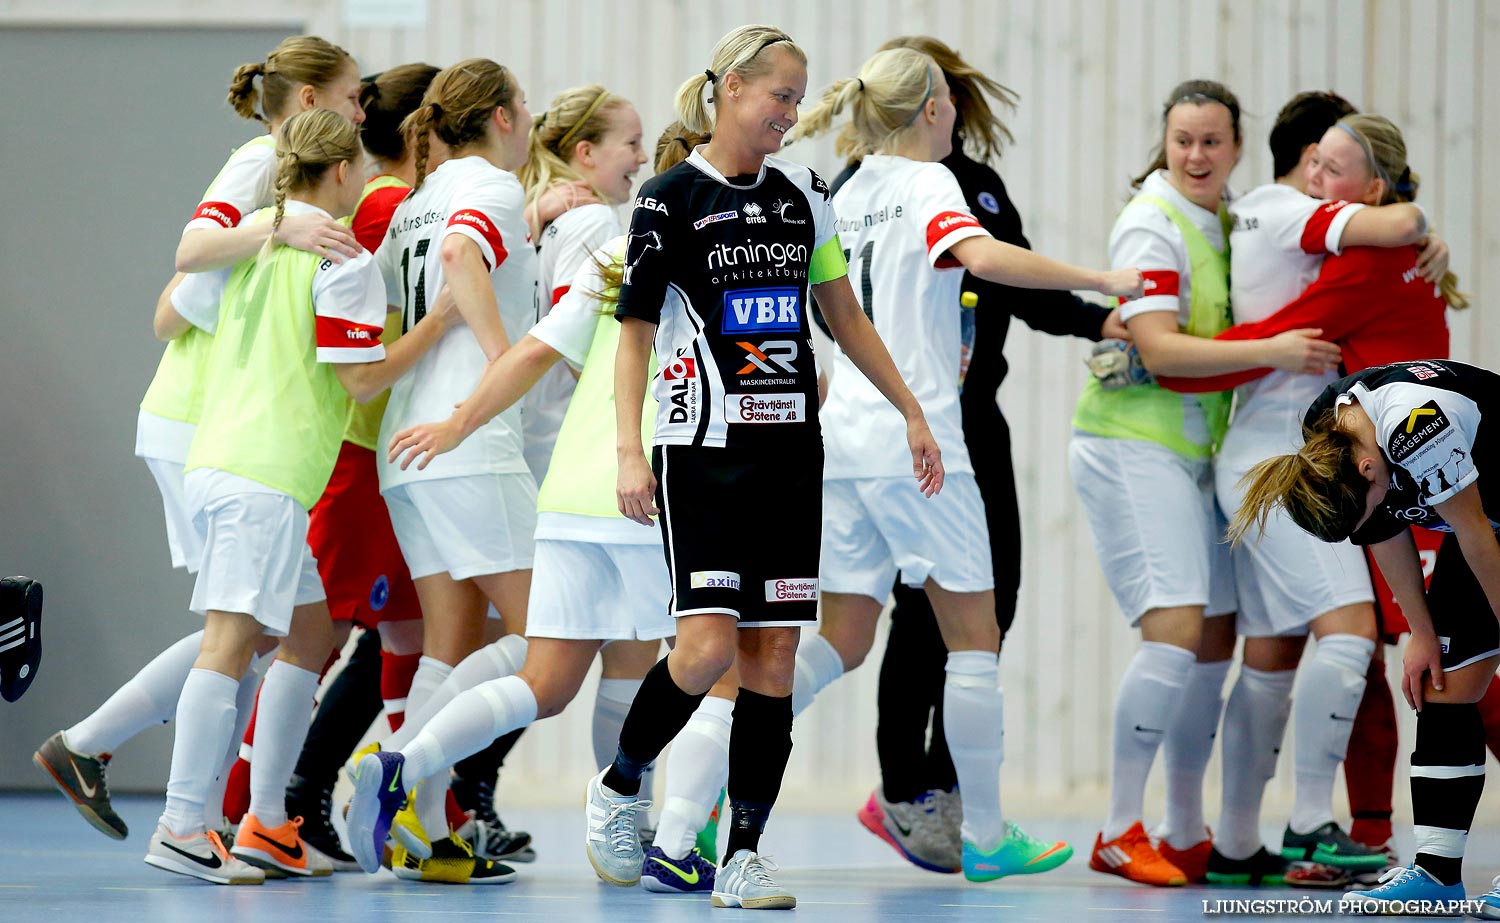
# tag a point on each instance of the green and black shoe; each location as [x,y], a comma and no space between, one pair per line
[1330,845]
[1262,868]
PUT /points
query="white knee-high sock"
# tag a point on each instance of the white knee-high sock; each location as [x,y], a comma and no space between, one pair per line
[611,705]
[469,723]
[974,726]
[425,683]
[205,719]
[1333,682]
[697,768]
[1254,724]
[818,664]
[503,658]
[244,707]
[1145,708]
[286,709]
[149,697]
[1185,752]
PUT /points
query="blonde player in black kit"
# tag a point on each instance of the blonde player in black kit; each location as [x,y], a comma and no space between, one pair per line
[722,252]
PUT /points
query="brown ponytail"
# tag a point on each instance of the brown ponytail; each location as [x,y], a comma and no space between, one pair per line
[458,106]
[1320,487]
[299,60]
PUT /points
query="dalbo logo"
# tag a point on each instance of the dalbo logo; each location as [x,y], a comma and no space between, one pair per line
[763,310]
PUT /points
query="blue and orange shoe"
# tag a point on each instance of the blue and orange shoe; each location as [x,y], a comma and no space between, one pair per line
[689,875]
[379,792]
[1018,854]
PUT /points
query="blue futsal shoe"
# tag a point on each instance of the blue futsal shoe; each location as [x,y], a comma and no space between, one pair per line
[688,875]
[1407,891]
[379,792]
[1487,906]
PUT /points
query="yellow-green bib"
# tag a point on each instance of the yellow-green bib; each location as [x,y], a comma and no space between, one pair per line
[1149,411]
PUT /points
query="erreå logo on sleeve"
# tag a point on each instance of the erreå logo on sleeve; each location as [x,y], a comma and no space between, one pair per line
[1423,425]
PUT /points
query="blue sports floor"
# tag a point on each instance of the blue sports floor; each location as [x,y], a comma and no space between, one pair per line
[55,868]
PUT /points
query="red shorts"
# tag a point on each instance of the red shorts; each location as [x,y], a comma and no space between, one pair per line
[363,571]
[1392,624]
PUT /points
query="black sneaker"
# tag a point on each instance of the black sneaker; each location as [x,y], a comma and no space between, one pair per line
[20,635]
[1330,845]
[81,777]
[492,839]
[314,804]
[1260,869]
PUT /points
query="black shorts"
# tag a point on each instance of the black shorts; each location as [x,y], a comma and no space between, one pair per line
[742,530]
[1461,614]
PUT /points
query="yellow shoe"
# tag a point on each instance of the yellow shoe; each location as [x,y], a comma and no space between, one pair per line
[453,863]
[407,830]
[360,754]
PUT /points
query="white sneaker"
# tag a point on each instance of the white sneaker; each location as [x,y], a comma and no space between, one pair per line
[614,846]
[746,882]
[202,856]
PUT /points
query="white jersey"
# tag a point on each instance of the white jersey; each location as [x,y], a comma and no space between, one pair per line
[467,196]
[565,248]
[897,219]
[1144,237]
[1277,246]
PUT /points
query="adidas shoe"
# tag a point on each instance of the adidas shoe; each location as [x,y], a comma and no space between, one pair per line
[20,635]
[707,841]
[315,805]
[1018,854]
[614,847]
[689,875]
[1132,857]
[378,794]
[279,849]
[200,856]
[492,839]
[452,863]
[1402,888]
[746,882]
[82,778]
[1193,861]
[917,830]
[1330,845]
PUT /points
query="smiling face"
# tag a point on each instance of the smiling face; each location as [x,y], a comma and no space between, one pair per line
[1201,151]
[611,163]
[763,109]
[1340,170]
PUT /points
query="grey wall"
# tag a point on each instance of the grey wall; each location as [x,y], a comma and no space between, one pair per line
[108,140]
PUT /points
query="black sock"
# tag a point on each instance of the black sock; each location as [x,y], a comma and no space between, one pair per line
[350,705]
[659,711]
[474,775]
[760,743]
[911,686]
[1447,778]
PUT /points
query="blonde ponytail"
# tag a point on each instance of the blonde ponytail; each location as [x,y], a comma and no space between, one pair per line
[575,115]
[309,143]
[299,60]
[884,101]
[739,52]
[1320,487]
[457,107]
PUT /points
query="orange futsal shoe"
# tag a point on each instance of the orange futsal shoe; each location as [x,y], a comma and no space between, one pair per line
[1132,857]
[1193,861]
[280,849]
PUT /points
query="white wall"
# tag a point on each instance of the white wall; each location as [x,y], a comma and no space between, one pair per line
[1091,75]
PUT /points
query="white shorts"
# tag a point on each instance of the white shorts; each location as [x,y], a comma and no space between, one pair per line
[596,592]
[874,528]
[255,559]
[465,526]
[1156,529]
[182,536]
[1286,577]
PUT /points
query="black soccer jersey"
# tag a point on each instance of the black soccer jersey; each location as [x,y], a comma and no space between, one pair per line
[1428,418]
[723,267]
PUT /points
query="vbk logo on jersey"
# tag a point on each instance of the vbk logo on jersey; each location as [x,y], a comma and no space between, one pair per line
[781,352]
[762,310]
[680,368]
[753,213]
